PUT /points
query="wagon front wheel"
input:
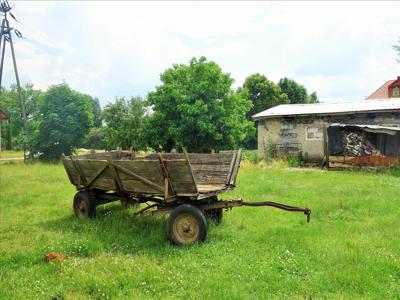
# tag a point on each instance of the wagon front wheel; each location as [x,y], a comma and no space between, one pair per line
[186,225]
[84,206]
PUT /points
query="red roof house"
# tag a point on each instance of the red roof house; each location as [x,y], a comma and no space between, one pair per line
[390,89]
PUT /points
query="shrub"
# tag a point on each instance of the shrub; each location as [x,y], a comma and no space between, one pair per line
[294,161]
[395,170]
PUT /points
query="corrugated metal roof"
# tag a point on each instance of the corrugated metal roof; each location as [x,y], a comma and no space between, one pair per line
[371,128]
[329,108]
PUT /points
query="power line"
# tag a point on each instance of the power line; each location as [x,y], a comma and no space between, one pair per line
[6,37]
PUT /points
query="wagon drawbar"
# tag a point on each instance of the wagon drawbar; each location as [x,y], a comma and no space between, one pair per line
[185,185]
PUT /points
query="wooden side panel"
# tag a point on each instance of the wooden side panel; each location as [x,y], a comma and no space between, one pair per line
[147,169]
[90,168]
[236,167]
[70,169]
[181,176]
[211,168]
[116,155]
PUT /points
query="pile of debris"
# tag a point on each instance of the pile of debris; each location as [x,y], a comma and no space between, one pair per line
[357,143]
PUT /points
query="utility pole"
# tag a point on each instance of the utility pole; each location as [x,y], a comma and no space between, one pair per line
[6,37]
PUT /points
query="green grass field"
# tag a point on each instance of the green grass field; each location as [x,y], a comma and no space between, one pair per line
[351,248]
[12,154]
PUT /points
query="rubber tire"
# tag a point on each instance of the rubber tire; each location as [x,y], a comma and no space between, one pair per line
[214,215]
[195,212]
[89,204]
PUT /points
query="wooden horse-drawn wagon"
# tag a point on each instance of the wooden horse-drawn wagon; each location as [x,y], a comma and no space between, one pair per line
[186,185]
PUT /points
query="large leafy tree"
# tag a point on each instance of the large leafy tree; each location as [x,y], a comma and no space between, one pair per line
[65,119]
[297,93]
[263,93]
[195,107]
[124,122]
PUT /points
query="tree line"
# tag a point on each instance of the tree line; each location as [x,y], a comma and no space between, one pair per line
[195,106]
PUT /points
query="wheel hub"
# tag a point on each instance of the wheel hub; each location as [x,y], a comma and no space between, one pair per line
[186,228]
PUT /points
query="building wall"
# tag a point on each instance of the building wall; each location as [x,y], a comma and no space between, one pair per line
[309,132]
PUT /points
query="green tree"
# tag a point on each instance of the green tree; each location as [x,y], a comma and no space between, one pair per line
[263,93]
[312,98]
[124,122]
[13,131]
[397,49]
[66,118]
[196,107]
[297,93]
[96,109]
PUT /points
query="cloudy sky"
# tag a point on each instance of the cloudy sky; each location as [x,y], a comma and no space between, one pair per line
[341,50]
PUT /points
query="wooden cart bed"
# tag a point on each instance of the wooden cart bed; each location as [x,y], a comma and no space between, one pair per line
[163,174]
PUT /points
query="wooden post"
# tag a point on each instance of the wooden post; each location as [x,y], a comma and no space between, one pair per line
[326,146]
[186,155]
[117,180]
[167,180]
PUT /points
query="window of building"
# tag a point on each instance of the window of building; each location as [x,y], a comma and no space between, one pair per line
[396,91]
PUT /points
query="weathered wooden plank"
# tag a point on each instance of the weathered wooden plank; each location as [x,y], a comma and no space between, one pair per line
[179,171]
[236,167]
[336,158]
[211,175]
[107,184]
[142,179]
[186,155]
[208,180]
[150,170]
[90,180]
[231,166]
[168,188]
[137,186]
[211,168]
[70,169]
[207,188]
[181,177]
[80,176]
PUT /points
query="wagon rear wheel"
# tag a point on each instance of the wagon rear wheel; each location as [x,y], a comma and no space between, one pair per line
[186,225]
[84,205]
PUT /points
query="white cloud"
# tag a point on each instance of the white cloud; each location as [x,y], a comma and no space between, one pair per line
[340,49]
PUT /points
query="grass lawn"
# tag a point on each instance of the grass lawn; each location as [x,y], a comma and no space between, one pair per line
[351,248]
[12,154]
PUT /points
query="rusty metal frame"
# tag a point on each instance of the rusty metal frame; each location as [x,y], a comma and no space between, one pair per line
[228,204]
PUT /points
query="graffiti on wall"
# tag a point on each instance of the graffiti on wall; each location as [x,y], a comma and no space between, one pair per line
[288,133]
